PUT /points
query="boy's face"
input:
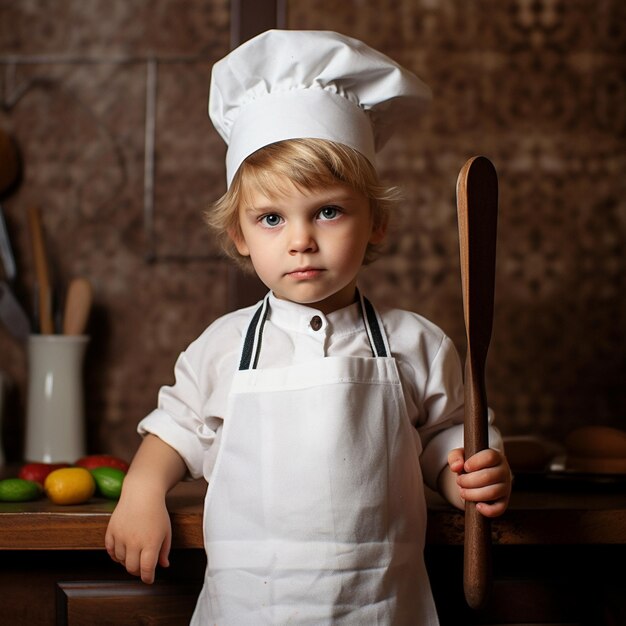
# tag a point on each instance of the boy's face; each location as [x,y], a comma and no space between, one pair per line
[308,246]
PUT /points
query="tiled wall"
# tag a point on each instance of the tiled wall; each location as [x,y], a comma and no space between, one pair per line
[107,100]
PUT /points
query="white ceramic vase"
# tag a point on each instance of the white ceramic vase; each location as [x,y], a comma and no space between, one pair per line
[55,412]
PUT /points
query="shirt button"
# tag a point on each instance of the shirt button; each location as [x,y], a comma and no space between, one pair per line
[316,322]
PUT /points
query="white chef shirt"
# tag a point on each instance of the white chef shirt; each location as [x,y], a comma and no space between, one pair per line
[191,412]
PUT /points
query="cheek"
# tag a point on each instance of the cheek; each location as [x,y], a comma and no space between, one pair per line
[360,239]
[264,262]
[350,251]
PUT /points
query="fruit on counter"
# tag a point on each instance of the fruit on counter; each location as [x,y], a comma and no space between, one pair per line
[102,460]
[39,471]
[19,490]
[109,481]
[70,485]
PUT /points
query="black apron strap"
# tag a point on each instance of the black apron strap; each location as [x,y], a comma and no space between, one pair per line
[254,335]
[374,328]
[252,343]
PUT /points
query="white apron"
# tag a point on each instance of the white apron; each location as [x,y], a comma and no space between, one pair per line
[315,513]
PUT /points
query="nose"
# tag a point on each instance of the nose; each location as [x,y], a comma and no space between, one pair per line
[301,239]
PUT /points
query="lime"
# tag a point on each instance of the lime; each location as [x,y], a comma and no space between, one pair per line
[70,485]
[109,481]
[19,490]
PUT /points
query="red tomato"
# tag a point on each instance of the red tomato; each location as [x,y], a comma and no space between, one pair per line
[102,460]
[39,471]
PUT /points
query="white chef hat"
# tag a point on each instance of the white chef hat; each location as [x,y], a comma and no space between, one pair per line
[309,84]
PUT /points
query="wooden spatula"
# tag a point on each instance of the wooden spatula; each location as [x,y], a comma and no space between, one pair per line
[77,306]
[477,207]
[42,271]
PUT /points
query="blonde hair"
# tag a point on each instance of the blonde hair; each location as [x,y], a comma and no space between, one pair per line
[308,164]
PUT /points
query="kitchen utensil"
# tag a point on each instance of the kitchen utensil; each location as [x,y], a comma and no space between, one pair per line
[477,208]
[9,162]
[3,385]
[12,314]
[9,176]
[77,306]
[6,252]
[42,272]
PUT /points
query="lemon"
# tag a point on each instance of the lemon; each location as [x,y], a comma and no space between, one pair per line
[70,485]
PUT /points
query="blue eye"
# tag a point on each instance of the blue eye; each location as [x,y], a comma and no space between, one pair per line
[271,220]
[329,213]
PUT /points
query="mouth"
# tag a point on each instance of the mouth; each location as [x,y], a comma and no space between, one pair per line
[304,273]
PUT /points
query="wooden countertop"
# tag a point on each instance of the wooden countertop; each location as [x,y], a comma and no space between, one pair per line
[42,525]
[533,518]
[542,518]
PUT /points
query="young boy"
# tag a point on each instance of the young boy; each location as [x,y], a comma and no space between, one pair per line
[315,417]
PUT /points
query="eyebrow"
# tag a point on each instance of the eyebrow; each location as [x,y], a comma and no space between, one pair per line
[337,200]
[323,201]
[253,210]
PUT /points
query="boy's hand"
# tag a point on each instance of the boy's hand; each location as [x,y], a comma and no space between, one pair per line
[139,534]
[485,478]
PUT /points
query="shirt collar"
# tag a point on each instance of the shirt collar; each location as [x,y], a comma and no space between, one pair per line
[297,317]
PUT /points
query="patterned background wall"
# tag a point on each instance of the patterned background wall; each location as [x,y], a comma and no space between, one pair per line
[107,100]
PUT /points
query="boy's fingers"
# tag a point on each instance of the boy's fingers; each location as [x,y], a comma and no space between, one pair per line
[165,551]
[488,494]
[132,563]
[147,566]
[119,553]
[109,544]
[482,459]
[492,509]
[455,459]
[480,478]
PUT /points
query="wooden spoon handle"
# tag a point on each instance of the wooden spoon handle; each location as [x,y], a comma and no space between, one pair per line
[42,272]
[477,204]
[77,306]
[477,544]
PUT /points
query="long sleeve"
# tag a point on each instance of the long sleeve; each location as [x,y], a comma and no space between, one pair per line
[190,413]
[432,378]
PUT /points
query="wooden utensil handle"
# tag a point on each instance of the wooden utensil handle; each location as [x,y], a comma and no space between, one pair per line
[477,557]
[477,546]
[41,271]
[476,428]
[77,306]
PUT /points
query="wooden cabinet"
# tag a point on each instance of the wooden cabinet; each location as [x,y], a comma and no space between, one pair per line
[557,559]
[46,587]
[125,603]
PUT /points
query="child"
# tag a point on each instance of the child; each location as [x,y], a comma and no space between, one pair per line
[315,417]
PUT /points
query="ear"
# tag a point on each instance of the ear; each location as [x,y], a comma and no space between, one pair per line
[240,243]
[379,232]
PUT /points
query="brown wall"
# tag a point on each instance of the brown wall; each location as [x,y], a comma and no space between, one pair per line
[107,100]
